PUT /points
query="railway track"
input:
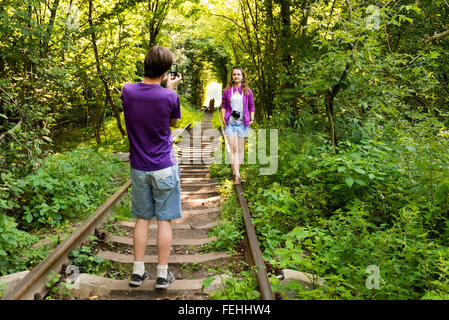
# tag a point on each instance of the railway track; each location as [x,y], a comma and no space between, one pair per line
[190,264]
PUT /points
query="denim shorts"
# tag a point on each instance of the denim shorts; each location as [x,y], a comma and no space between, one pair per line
[156,193]
[236,129]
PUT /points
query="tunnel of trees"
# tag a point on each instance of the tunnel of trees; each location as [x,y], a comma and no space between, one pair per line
[358,90]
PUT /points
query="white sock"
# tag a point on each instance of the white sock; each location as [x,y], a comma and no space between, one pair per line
[139,268]
[162,271]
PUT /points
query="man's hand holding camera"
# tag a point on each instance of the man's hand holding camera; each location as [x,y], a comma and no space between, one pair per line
[172,81]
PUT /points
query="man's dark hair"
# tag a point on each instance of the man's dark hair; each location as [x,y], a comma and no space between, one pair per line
[157,61]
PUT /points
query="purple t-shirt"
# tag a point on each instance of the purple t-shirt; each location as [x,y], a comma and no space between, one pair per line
[148,109]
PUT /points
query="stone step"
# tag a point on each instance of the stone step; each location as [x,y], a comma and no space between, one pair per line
[187,227]
[87,286]
[193,166]
[191,205]
[199,154]
[210,190]
[193,185]
[201,197]
[200,157]
[195,142]
[194,147]
[197,180]
[206,258]
[195,175]
[188,200]
[153,226]
[193,170]
[200,191]
[152,242]
[196,154]
[191,148]
[198,217]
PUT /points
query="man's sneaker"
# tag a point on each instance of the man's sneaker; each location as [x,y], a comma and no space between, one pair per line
[162,284]
[136,280]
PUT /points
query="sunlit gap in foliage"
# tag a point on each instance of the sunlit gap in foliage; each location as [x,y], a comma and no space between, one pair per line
[213,90]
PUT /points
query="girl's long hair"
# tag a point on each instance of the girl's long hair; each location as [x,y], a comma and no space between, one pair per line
[245,86]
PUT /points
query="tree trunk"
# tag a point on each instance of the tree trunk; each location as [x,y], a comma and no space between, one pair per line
[49,31]
[90,113]
[101,76]
[329,102]
[97,115]
[158,11]
[113,106]
[286,57]
[286,34]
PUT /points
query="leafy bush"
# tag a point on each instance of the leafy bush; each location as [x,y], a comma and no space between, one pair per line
[12,244]
[229,231]
[342,249]
[188,113]
[240,287]
[85,258]
[378,202]
[66,186]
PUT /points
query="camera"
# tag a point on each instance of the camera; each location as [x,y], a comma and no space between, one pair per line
[235,114]
[173,70]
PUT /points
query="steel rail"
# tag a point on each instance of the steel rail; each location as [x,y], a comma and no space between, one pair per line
[33,285]
[254,255]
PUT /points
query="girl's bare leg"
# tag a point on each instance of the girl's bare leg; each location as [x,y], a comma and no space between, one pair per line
[233,140]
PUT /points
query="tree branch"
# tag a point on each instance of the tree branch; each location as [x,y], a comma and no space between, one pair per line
[223,16]
[428,41]
[437,36]
[349,10]
[10,131]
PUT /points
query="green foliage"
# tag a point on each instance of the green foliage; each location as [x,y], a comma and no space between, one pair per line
[222,172]
[380,201]
[57,289]
[239,287]
[66,186]
[123,210]
[12,244]
[228,236]
[229,231]
[87,261]
[216,119]
[370,204]
[347,243]
[308,62]
[112,140]
[189,114]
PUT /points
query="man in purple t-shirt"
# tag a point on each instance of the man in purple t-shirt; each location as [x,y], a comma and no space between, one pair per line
[149,111]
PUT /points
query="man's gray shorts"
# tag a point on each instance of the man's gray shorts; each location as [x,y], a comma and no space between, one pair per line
[156,193]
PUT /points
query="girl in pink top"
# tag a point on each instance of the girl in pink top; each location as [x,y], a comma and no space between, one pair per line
[237,111]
